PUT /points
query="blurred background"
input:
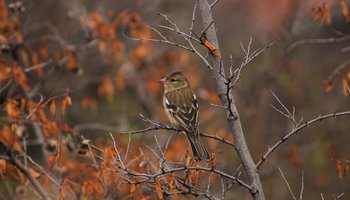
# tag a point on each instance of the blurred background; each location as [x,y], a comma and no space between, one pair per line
[111,79]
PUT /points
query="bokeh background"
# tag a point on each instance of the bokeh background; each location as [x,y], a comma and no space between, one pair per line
[112,79]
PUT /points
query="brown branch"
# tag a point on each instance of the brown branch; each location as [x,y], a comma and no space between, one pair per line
[339,68]
[296,131]
[157,126]
[162,172]
[227,100]
[318,41]
[37,186]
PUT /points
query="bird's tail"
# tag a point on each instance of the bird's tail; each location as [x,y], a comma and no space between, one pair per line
[199,149]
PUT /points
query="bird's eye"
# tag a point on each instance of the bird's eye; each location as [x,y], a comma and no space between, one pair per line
[172,80]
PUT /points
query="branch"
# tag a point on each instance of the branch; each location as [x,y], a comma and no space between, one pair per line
[227,100]
[285,180]
[148,177]
[318,41]
[339,68]
[157,126]
[37,186]
[295,131]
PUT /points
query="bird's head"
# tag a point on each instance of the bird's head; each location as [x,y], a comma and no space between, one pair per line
[173,81]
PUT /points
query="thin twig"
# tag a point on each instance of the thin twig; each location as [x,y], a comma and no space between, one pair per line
[296,130]
[37,186]
[302,186]
[317,41]
[285,180]
[214,3]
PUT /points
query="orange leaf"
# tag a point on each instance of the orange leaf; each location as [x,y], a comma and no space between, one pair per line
[120,81]
[12,109]
[5,73]
[68,100]
[345,10]
[72,59]
[213,157]
[53,108]
[65,186]
[340,169]
[345,87]
[102,46]
[106,88]
[89,102]
[159,191]
[132,191]
[20,77]
[210,46]
[328,85]
[347,166]
[34,173]
[107,163]
[326,13]
[24,56]
[3,168]
[90,187]
[44,52]
[63,107]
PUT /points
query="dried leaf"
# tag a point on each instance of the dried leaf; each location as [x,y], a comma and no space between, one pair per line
[213,157]
[321,13]
[106,88]
[120,81]
[132,191]
[25,59]
[347,166]
[345,87]
[65,186]
[210,46]
[102,46]
[68,100]
[345,10]
[20,77]
[91,188]
[53,108]
[12,109]
[5,73]
[328,85]
[3,168]
[72,60]
[326,13]
[34,173]
[340,169]
[108,175]
[159,191]
[89,103]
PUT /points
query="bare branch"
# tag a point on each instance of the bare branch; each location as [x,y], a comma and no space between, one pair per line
[295,131]
[148,177]
[285,180]
[318,41]
[214,3]
[302,186]
[166,41]
[37,186]
[339,68]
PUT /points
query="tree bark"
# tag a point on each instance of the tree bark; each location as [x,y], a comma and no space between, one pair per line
[228,101]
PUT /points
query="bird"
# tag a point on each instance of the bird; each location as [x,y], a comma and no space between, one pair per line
[181,107]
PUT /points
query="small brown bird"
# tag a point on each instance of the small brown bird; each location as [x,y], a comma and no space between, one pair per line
[181,107]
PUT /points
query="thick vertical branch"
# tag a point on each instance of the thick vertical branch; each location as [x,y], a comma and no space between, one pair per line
[228,101]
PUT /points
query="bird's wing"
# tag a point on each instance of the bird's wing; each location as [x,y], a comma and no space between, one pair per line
[185,111]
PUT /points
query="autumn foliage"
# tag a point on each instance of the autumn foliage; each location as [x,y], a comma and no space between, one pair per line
[67,97]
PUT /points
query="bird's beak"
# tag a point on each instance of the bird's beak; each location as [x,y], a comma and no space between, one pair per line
[162,80]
